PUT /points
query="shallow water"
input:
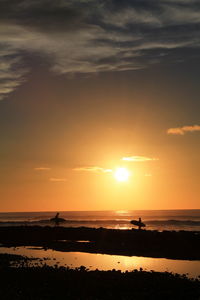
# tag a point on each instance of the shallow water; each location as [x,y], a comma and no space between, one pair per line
[106,262]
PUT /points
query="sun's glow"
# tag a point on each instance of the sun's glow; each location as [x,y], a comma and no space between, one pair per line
[121,174]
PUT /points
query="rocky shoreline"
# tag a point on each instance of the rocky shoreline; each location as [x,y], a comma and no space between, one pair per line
[40,283]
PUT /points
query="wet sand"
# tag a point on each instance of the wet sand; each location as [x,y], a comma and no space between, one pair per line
[104,262]
[167,244]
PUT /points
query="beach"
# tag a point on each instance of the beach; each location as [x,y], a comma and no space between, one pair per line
[44,282]
[100,255]
[45,262]
[41,260]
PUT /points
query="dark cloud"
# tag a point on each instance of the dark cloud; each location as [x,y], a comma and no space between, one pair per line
[87,36]
[42,15]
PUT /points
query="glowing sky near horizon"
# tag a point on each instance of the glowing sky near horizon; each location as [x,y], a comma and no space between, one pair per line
[89,86]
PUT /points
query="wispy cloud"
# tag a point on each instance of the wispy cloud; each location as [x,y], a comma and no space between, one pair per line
[93,169]
[184,129]
[138,158]
[42,169]
[55,179]
[11,73]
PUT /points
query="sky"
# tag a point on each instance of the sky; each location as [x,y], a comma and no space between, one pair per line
[89,88]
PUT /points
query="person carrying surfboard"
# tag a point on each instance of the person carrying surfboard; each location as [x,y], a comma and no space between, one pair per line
[138,223]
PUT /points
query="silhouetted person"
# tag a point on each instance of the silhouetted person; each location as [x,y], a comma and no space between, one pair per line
[57,220]
[140,224]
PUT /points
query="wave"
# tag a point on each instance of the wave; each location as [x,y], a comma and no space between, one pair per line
[174,222]
[67,221]
[103,222]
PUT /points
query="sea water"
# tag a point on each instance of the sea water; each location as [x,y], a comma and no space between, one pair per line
[154,219]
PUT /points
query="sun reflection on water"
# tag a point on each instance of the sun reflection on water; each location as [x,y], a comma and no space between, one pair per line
[106,262]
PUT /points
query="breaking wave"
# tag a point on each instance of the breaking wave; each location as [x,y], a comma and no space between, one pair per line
[104,222]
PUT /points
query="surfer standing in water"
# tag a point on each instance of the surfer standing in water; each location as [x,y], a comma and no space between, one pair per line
[57,220]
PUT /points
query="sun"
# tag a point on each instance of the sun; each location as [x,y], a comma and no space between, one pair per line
[121,174]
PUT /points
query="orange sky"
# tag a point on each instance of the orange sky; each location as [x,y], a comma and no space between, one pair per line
[56,161]
[84,84]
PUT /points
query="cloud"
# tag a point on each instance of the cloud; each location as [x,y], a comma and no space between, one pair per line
[42,169]
[138,158]
[90,36]
[55,179]
[11,73]
[94,169]
[183,130]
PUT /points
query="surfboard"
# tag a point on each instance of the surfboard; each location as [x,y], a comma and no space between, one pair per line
[57,220]
[138,223]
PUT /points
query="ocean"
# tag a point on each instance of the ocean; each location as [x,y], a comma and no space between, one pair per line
[154,219]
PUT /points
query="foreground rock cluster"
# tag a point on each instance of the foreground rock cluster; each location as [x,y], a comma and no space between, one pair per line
[41,283]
